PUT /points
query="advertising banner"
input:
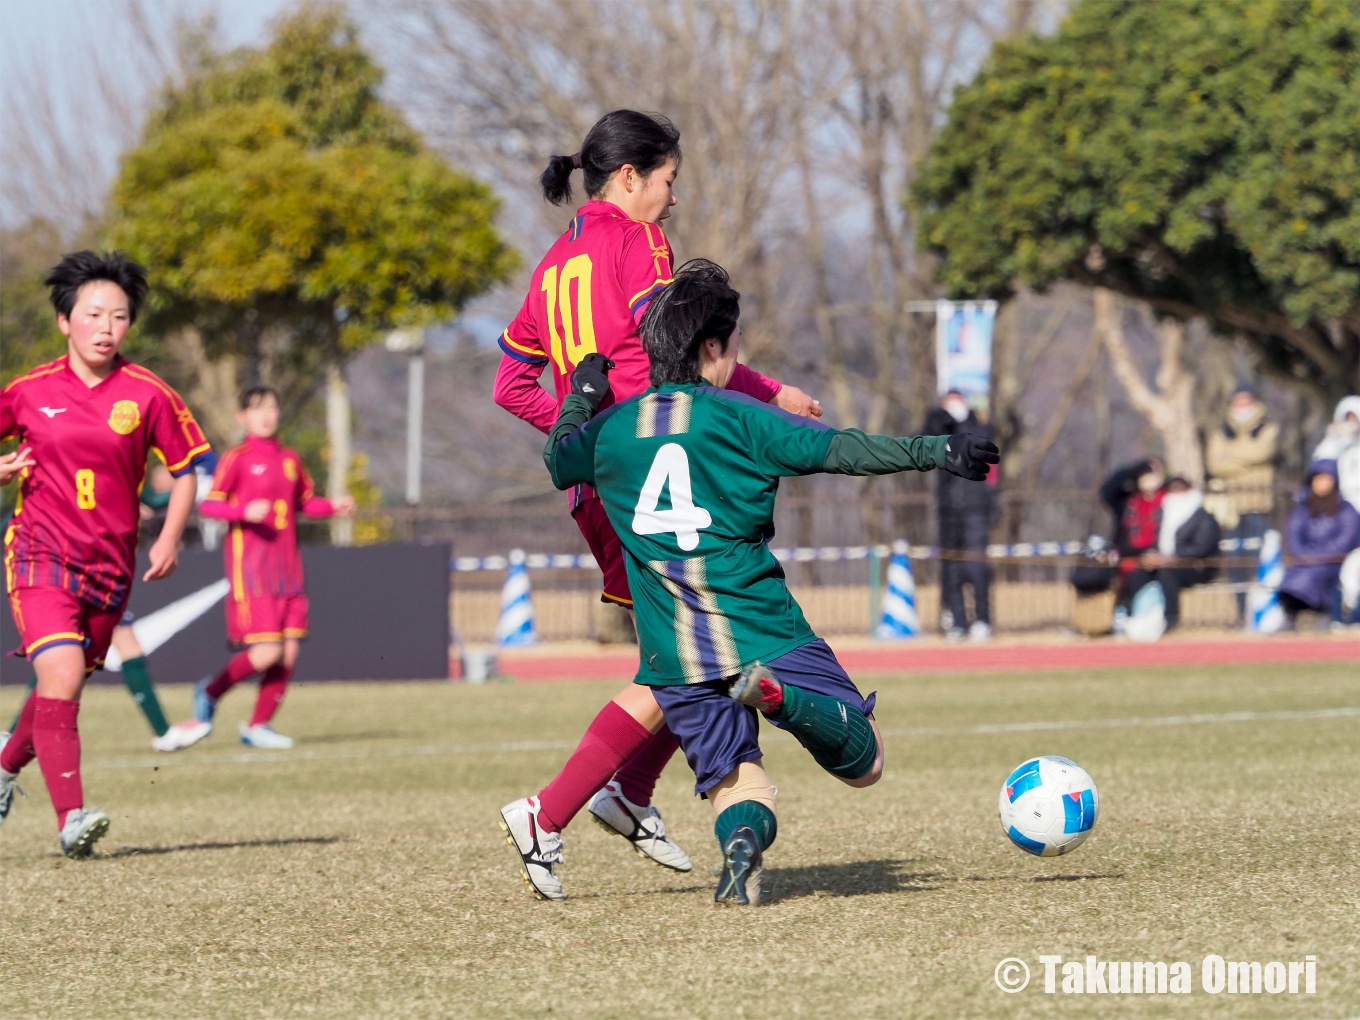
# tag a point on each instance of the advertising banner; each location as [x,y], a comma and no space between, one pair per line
[963,348]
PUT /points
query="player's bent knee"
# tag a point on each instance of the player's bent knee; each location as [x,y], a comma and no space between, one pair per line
[748,781]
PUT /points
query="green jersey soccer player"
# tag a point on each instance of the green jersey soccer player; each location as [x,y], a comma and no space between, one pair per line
[688,473]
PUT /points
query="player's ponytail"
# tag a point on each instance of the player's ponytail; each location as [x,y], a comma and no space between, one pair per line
[698,305]
[645,140]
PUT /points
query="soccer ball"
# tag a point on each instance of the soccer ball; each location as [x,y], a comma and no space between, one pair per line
[1049,806]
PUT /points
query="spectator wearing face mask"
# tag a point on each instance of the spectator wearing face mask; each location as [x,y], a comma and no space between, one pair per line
[1342,444]
[1240,458]
[1187,536]
[1134,495]
[965,514]
[1323,528]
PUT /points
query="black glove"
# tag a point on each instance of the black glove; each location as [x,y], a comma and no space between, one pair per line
[591,379]
[967,456]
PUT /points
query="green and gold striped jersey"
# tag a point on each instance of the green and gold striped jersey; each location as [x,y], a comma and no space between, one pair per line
[688,475]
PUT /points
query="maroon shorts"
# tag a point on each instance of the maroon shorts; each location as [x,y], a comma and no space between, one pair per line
[47,616]
[606,548]
[264,619]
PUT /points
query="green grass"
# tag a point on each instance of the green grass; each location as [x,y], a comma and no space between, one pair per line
[362,875]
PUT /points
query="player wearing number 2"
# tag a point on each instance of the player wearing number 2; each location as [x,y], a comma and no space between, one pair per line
[86,424]
[585,298]
[260,488]
[720,636]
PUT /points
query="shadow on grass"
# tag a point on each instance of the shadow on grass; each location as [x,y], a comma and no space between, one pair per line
[344,738]
[855,878]
[1073,878]
[140,851]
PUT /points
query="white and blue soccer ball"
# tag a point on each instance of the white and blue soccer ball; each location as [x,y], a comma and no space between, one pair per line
[1049,806]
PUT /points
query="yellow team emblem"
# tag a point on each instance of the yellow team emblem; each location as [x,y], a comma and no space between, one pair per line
[290,470]
[125,417]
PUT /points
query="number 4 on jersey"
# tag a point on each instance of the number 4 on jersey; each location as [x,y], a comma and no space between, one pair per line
[683,519]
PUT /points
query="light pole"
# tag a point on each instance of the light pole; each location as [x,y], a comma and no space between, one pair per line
[412,342]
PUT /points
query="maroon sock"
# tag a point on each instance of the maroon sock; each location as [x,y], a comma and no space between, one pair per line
[18,750]
[637,778]
[232,674]
[272,687]
[57,742]
[612,738]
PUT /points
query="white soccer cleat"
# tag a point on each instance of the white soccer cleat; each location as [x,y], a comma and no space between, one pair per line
[83,829]
[263,735]
[182,735]
[539,852]
[980,631]
[9,782]
[641,826]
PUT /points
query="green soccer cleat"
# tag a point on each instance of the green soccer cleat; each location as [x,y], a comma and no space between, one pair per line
[740,882]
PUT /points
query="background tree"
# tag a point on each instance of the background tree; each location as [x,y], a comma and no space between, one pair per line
[1199,156]
[289,217]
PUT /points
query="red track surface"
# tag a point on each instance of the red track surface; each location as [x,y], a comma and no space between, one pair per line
[907,657]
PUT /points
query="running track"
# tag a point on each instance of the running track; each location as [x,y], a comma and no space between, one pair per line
[536,667]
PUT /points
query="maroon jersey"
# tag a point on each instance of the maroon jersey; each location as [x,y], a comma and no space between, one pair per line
[75,524]
[587,295]
[263,559]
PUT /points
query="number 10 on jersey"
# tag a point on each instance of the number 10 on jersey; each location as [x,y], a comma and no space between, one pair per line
[578,326]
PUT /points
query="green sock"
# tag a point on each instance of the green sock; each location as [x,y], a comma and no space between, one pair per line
[32,683]
[138,680]
[839,737]
[747,812]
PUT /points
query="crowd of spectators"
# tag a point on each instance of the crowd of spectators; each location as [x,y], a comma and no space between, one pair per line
[1167,533]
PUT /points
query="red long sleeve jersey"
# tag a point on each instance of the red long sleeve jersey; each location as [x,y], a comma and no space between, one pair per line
[587,295]
[263,559]
[75,523]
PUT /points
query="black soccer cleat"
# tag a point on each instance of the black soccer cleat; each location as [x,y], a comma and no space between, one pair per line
[739,884]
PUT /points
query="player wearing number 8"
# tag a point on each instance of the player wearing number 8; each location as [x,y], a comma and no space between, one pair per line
[86,425]
[688,472]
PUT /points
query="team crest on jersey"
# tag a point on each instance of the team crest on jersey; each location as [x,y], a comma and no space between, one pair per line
[290,470]
[125,417]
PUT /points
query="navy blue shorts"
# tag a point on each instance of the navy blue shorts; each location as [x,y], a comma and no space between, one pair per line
[717,734]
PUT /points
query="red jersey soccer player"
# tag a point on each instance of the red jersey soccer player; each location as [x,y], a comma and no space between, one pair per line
[86,424]
[260,488]
[585,300]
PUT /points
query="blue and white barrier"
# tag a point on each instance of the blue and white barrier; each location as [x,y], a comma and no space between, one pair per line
[823,554]
[516,624]
[1265,615]
[899,603]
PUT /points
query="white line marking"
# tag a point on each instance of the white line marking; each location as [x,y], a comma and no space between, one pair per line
[1114,724]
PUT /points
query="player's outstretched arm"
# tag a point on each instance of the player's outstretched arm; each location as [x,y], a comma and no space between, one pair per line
[853,452]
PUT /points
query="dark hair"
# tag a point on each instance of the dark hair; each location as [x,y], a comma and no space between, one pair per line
[645,140]
[252,395]
[82,267]
[699,305]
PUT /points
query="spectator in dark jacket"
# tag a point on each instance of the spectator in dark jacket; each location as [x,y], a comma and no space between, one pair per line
[1322,529]
[1134,495]
[1187,535]
[965,519]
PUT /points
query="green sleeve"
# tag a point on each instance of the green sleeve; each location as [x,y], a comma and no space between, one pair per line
[570,453]
[853,452]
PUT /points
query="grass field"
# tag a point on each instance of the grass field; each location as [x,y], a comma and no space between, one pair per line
[362,874]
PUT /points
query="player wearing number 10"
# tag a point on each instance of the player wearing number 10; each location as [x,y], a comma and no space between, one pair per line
[584,301]
[86,425]
[688,473]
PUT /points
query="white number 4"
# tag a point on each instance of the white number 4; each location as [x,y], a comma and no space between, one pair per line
[684,519]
